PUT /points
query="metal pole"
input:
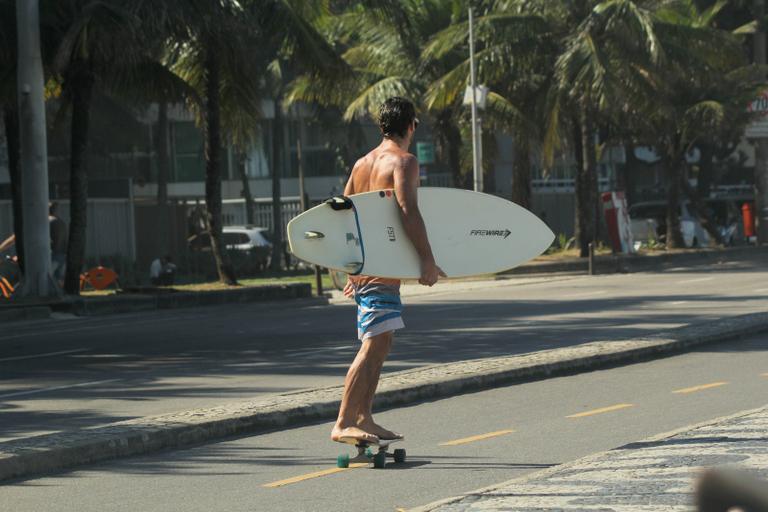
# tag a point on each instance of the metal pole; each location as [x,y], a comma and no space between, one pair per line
[302,198]
[37,280]
[476,170]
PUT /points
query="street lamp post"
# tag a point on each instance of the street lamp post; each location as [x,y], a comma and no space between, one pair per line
[761,143]
[477,164]
[37,281]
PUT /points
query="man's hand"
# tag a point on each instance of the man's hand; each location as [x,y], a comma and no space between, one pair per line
[349,290]
[430,273]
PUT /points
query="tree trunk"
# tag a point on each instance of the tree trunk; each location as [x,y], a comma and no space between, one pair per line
[81,89]
[706,170]
[586,186]
[164,229]
[521,172]
[578,156]
[163,154]
[761,191]
[277,162]
[213,169]
[250,211]
[449,145]
[673,164]
[11,120]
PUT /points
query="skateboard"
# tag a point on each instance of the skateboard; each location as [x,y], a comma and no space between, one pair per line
[366,455]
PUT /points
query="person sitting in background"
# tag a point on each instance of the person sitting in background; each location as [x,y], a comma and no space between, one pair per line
[162,271]
[168,272]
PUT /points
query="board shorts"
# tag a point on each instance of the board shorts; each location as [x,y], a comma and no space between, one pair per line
[379,309]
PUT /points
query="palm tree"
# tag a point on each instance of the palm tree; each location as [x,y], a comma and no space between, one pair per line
[557,65]
[291,44]
[381,43]
[606,48]
[11,117]
[213,47]
[698,96]
[91,40]
[515,54]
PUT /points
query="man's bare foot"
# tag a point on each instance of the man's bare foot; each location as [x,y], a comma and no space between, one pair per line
[353,432]
[381,432]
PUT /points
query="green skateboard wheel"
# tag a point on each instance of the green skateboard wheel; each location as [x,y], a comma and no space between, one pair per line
[399,455]
[342,461]
[369,453]
[380,460]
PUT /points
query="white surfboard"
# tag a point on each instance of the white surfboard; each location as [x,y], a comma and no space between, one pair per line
[470,233]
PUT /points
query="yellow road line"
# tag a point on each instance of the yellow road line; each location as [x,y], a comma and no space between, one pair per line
[601,410]
[472,439]
[316,474]
[699,388]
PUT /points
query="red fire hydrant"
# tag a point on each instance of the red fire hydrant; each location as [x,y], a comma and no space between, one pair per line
[748,215]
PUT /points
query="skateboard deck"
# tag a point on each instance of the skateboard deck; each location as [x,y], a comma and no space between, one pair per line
[366,455]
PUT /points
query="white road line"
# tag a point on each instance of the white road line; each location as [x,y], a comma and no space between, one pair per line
[697,280]
[47,354]
[678,302]
[585,294]
[57,388]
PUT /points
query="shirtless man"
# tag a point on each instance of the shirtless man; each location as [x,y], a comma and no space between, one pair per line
[388,166]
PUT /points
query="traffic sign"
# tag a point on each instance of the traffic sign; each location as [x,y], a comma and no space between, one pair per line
[425,152]
[759,128]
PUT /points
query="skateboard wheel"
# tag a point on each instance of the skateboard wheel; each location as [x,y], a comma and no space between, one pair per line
[342,461]
[399,455]
[380,460]
[369,453]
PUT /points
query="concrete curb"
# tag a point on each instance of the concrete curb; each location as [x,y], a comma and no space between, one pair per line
[611,264]
[86,306]
[595,457]
[26,457]
[21,313]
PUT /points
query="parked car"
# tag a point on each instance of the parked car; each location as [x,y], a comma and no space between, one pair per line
[252,242]
[648,221]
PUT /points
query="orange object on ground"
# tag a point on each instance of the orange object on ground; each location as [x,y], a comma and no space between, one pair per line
[99,278]
[748,215]
[6,288]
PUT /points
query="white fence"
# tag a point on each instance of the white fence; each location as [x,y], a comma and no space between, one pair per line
[110,231]
[233,211]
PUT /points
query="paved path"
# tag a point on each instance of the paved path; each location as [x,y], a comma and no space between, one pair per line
[454,445]
[657,475]
[73,373]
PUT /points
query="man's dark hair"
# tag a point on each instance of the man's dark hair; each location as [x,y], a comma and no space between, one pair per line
[52,207]
[395,115]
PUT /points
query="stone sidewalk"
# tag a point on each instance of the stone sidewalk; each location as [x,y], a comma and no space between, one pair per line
[658,474]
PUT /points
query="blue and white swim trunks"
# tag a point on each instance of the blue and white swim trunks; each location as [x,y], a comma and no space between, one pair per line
[379,309]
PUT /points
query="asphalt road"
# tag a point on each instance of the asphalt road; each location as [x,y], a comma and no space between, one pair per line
[454,445]
[70,373]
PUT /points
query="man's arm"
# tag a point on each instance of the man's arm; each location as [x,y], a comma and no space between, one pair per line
[406,182]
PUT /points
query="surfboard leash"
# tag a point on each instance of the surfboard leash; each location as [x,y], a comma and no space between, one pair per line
[338,203]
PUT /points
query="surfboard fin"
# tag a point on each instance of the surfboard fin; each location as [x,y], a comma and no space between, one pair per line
[313,235]
[354,265]
[339,203]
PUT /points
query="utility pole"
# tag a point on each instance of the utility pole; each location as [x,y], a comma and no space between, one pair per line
[37,281]
[761,144]
[477,150]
